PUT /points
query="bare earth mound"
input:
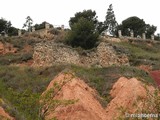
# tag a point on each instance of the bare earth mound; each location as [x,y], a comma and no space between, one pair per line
[129,96]
[4,115]
[82,104]
[70,98]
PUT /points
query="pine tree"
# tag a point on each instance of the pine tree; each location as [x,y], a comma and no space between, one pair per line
[110,21]
[83,31]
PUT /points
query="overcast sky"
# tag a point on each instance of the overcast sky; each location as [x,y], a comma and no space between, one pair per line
[58,12]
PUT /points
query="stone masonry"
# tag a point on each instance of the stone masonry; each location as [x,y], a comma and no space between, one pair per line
[50,53]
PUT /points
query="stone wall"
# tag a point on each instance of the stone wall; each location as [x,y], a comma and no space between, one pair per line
[42,33]
[50,53]
[142,37]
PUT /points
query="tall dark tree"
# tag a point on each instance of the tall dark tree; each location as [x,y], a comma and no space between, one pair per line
[3,25]
[12,31]
[87,14]
[150,30]
[6,27]
[110,21]
[135,24]
[101,27]
[138,26]
[157,37]
[28,23]
[83,30]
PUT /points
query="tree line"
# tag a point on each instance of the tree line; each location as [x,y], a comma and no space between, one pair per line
[85,27]
[7,28]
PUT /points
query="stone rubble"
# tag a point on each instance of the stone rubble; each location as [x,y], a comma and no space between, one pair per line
[50,53]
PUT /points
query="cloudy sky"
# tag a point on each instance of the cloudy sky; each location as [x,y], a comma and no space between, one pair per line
[58,12]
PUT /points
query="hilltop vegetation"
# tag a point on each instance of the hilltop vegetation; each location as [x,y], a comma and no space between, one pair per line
[141,52]
[22,84]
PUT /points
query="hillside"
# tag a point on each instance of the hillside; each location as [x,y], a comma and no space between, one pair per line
[30,66]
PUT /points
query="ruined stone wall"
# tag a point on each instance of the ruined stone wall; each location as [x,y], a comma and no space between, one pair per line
[43,33]
[50,53]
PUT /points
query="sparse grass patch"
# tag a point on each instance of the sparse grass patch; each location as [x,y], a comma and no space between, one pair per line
[141,53]
[22,87]
[48,103]
[102,79]
[15,58]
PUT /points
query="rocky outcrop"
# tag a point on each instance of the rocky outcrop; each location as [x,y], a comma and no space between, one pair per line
[50,53]
[71,99]
[43,33]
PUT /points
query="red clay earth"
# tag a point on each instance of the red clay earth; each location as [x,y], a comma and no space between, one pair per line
[4,115]
[127,94]
[156,76]
[86,107]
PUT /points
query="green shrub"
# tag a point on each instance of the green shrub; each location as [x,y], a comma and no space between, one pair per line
[140,52]
[15,58]
[22,87]
[9,58]
[83,33]
[26,57]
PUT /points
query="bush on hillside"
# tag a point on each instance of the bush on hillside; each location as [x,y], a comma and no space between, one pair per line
[83,31]
[82,34]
